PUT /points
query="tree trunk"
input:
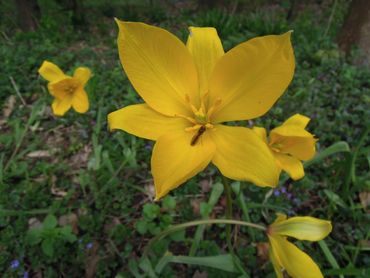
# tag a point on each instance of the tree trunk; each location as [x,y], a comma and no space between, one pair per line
[356,29]
[28,12]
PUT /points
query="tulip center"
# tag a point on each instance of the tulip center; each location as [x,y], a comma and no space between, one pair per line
[68,86]
[70,89]
[276,147]
[200,118]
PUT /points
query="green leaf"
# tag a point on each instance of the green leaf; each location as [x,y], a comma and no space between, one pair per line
[169,203]
[333,149]
[217,190]
[146,266]
[33,236]
[132,266]
[351,168]
[348,271]
[205,209]
[141,226]
[151,211]
[67,234]
[50,222]
[222,262]
[335,198]
[329,256]
[178,236]
[47,247]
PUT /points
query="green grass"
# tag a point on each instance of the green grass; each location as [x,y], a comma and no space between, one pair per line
[102,180]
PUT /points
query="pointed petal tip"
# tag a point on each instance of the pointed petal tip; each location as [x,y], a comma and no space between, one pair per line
[117,20]
[109,121]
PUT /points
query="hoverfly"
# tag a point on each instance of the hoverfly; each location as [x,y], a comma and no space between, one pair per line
[196,137]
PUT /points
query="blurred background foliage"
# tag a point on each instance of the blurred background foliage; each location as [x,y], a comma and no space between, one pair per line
[90,191]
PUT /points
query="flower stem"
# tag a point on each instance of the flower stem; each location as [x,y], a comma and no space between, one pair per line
[229,215]
[229,212]
[182,226]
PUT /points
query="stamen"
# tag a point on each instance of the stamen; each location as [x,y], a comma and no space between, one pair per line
[203,101]
[186,118]
[213,107]
[187,99]
[195,111]
[276,147]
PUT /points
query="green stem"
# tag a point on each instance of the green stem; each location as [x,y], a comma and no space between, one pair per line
[179,227]
[242,203]
[229,213]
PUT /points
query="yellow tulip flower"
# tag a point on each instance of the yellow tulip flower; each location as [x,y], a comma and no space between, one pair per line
[68,91]
[189,91]
[284,255]
[290,143]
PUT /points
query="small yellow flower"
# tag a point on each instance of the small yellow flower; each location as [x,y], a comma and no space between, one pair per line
[284,255]
[290,143]
[189,91]
[67,91]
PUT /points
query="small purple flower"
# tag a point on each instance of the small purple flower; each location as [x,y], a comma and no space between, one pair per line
[89,245]
[149,146]
[277,193]
[289,195]
[25,274]
[14,264]
[283,190]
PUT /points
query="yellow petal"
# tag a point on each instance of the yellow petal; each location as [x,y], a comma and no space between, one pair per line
[296,262]
[142,121]
[297,120]
[159,66]
[295,141]
[206,48]
[51,72]
[291,165]
[61,106]
[80,101]
[261,132]
[275,264]
[303,228]
[242,155]
[174,160]
[82,74]
[251,77]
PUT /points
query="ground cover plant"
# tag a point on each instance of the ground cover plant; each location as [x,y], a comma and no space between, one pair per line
[77,199]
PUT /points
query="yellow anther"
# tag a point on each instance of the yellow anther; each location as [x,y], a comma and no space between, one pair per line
[208,125]
[192,128]
[218,102]
[187,98]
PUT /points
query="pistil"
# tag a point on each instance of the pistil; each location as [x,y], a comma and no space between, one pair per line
[201,120]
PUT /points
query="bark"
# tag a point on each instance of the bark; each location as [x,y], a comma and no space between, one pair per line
[28,13]
[356,29]
[77,8]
